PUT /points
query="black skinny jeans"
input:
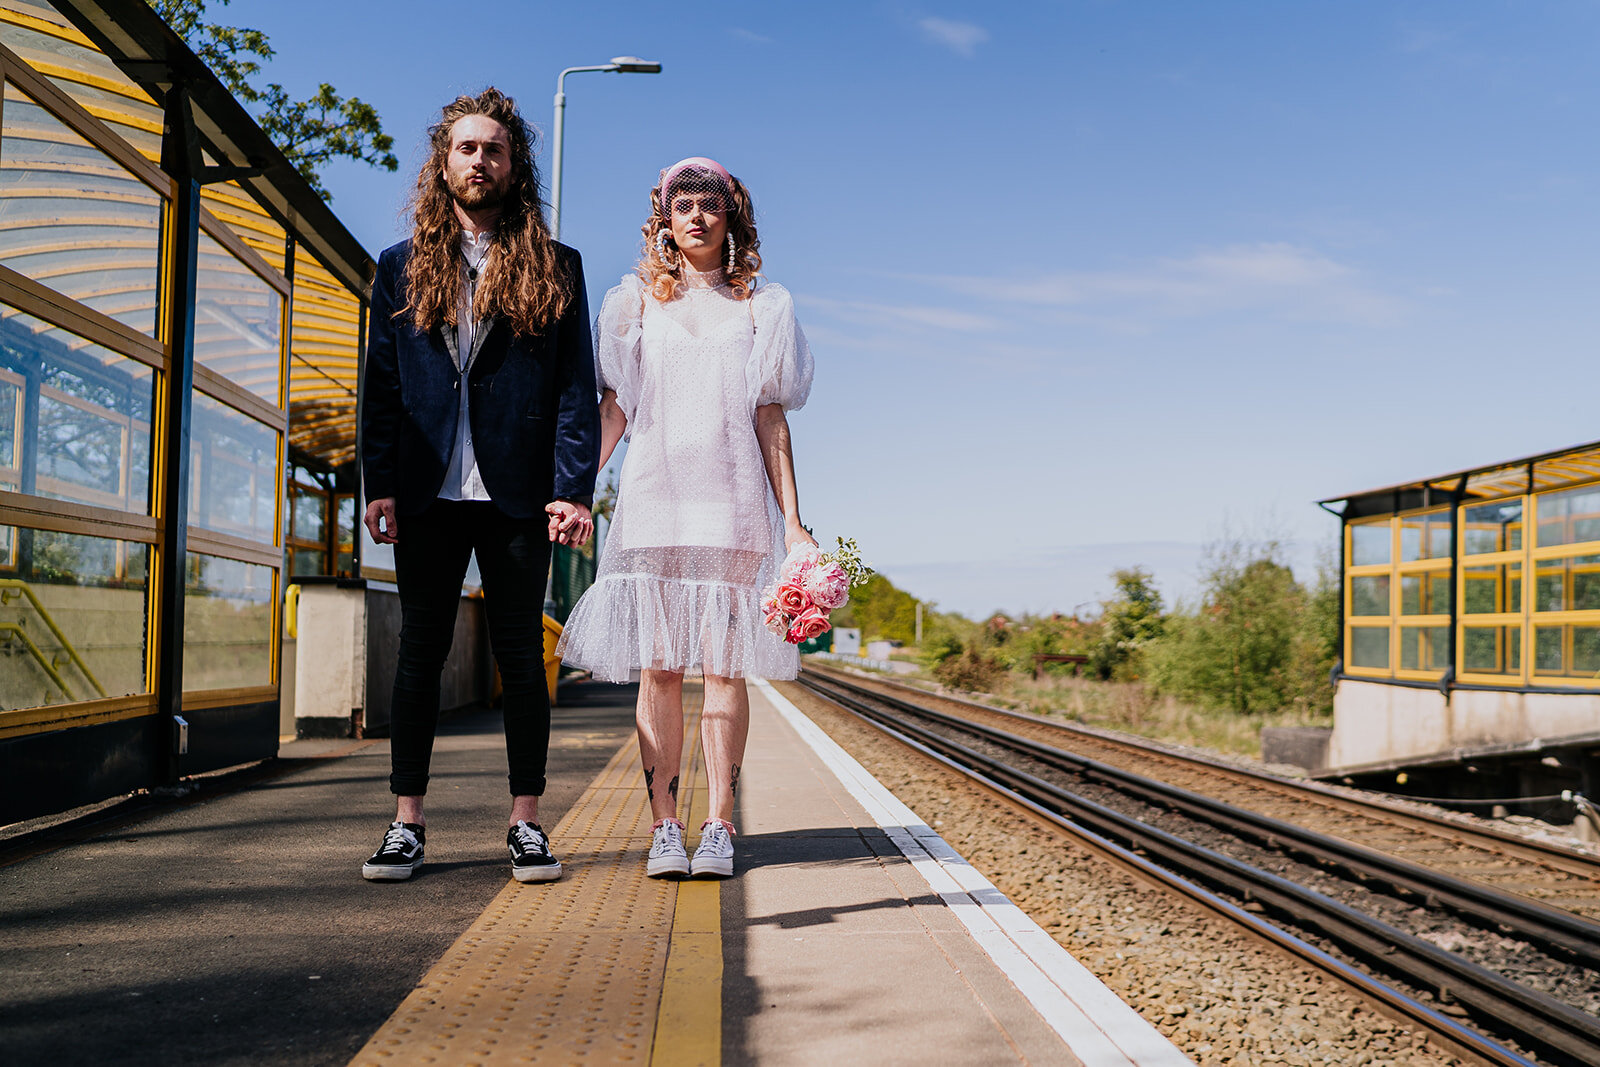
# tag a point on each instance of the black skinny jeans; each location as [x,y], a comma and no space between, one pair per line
[430,561]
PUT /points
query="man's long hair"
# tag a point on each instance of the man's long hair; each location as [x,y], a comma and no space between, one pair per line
[523,280]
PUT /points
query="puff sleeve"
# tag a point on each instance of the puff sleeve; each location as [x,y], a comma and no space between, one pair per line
[780,363]
[617,334]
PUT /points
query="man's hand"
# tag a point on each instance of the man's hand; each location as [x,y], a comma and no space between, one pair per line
[570,524]
[389,532]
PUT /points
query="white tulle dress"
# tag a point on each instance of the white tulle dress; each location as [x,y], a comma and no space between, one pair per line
[697,533]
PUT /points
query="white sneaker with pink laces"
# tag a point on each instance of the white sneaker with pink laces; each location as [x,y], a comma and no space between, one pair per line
[668,857]
[713,858]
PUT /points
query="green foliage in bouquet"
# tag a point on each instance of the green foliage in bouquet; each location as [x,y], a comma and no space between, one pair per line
[848,556]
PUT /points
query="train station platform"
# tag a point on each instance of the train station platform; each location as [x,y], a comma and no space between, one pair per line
[233,925]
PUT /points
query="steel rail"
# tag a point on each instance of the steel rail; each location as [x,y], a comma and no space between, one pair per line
[1553,927]
[1564,1033]
[1567,859]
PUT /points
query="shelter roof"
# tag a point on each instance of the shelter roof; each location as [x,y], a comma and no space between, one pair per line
[1536,473]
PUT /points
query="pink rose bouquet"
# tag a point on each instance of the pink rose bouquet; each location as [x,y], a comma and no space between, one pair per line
[810,585]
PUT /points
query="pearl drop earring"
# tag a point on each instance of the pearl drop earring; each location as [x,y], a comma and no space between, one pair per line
[661,250]
[732,252]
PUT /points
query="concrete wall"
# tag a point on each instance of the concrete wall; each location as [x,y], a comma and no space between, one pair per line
[330,660]
[468,672]
[1375,723]
[344,659]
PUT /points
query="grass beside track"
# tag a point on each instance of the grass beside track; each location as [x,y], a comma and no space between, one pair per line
[1131,708]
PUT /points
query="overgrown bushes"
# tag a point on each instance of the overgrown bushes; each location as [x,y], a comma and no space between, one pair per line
[1258,640]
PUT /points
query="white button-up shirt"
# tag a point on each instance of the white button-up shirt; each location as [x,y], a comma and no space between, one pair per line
[461,478]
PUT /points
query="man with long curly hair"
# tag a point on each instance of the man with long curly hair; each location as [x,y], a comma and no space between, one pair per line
[479,434]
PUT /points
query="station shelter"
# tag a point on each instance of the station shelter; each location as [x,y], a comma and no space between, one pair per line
[1470,629]
[181,326]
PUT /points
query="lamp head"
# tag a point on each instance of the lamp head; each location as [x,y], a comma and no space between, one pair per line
[634,65]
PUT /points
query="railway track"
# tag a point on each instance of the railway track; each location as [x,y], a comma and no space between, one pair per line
[1057,786]
[1546,873]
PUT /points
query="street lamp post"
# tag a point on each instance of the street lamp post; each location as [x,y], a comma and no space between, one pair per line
[619,65]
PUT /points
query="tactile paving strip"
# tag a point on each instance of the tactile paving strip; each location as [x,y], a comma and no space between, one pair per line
[567,971]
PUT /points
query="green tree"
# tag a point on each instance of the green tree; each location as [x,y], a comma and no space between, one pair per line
[1129,621]
[1260,641]
[881,611]
[312,132]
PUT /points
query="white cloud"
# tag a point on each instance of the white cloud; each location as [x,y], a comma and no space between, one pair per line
[862,313]
[962,38]
[1267,277]
[750,35]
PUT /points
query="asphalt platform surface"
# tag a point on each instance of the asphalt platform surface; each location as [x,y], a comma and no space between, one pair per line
[233,926]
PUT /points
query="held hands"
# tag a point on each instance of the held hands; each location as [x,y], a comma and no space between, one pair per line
[388,532]
[570,524]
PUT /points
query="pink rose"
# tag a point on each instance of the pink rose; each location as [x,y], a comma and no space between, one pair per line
[778,625]
[792,599]
[810,623]
[801,558]
[828,586]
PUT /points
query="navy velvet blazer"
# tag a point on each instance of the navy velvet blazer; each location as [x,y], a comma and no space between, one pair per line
[535,423]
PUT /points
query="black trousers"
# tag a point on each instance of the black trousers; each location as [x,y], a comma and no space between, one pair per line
[430,561]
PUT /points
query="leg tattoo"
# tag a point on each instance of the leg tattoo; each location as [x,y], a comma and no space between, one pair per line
[672,787]
[733,783]
[649,782]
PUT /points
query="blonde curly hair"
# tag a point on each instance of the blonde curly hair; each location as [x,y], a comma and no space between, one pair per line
[663,281]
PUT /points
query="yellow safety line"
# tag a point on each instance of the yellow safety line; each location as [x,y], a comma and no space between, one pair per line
[689,1024]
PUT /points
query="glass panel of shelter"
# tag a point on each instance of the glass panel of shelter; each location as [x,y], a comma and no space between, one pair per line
[74,219]
[1491,649]
[72,617]
[1425,536]
[1369,647]
[227,623]
[1492,590]
[238,322]
[234,472]
[75,417]
[1570,517]
[1371,543]
[1490,528]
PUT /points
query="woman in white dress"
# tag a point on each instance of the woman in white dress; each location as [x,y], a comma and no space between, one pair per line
[697,365]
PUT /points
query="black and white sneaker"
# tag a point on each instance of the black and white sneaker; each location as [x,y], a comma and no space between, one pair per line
[531,860]
[399,855]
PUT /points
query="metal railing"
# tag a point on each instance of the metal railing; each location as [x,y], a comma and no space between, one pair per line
[11,589]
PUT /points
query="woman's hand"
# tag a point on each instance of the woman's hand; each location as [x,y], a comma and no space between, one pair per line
[795,534]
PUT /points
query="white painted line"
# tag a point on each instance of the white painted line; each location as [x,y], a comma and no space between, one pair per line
[1099,1027]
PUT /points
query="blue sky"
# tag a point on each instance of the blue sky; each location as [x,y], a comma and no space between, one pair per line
[1089,282]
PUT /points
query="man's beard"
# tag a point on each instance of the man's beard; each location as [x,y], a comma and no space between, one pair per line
[476,197]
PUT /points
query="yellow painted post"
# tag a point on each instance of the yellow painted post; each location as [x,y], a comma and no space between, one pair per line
[552,662]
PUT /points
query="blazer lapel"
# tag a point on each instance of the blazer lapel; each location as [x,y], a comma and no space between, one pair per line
[448,333]
[480,334]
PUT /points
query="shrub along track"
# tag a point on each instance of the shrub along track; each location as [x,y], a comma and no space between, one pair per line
[1222,995]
